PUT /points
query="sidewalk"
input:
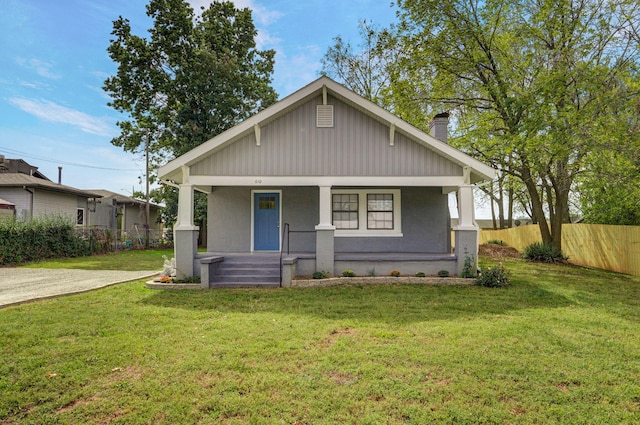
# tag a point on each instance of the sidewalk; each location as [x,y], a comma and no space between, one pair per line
[18,285]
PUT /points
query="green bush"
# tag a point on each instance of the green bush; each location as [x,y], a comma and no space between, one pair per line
[443,273]
[493,277]
[420,274]
[496,242]
[320,275]
[43,238]
[543,253]
[348,273]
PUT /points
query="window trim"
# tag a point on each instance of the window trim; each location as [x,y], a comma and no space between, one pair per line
[362,230]
[84,217]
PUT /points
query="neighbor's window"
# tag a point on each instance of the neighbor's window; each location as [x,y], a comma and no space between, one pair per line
[380,211]
[345,211]
[80,217]
[366,212]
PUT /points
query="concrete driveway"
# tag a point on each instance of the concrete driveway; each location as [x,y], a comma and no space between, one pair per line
[18,285]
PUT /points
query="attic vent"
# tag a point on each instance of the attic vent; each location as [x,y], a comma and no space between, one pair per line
[324,116]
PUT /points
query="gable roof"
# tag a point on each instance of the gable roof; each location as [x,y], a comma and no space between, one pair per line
[122,199]
[173,170]
[24,180]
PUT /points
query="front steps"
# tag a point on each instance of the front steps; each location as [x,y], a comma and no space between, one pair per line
[249,271]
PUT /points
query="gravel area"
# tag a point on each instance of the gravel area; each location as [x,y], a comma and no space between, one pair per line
[18,285]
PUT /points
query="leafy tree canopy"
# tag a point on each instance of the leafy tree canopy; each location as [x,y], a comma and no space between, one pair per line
[192,77]
[536,87]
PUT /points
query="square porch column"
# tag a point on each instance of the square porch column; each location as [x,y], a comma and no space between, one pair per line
[185,234]
[466,233]
[325,231]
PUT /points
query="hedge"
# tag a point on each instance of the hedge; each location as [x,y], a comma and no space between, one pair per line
[51,237]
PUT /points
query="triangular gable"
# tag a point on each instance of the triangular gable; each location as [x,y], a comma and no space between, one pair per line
[251,129]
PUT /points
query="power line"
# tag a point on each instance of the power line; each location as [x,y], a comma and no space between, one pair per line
[56,161]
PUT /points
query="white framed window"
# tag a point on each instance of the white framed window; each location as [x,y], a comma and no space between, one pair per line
[366,212]
[80,217]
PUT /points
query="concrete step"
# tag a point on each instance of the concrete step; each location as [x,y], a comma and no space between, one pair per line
[247,278]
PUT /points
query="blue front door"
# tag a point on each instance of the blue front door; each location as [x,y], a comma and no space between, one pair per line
[266,221]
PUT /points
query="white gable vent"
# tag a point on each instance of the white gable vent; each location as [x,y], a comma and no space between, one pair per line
[324,116]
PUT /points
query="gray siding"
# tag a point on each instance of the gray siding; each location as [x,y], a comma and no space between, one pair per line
[357,145]
[425,222]
[48,203]
[21,198]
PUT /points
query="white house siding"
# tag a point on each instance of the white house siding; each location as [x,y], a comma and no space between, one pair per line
[357,145]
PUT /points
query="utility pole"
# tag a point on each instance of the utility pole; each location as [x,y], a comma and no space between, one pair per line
[146,225]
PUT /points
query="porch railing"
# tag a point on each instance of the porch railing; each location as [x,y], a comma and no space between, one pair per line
[286,232]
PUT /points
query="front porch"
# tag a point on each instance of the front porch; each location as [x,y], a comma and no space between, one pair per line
[273,269]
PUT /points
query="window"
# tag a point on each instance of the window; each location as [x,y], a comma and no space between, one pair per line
[345,211]
[380,211]
[366,212]
[80,217]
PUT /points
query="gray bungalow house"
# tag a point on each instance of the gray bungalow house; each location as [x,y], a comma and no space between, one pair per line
[332,181]
[33,195]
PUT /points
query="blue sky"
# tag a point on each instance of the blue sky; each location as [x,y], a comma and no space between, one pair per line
[53,62]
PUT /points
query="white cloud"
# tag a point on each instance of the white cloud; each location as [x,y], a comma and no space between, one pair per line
[42,68]
[53,112]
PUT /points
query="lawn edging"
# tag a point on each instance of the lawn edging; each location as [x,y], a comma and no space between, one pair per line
[379,280]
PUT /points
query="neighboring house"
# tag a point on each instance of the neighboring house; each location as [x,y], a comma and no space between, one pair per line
[35,196]
[7,209]
[357,187]
[125,216]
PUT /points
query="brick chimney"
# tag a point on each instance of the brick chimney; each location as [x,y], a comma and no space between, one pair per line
[438,126]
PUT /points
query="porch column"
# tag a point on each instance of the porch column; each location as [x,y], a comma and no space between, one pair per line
[325,233]
[466,233]
[185,234]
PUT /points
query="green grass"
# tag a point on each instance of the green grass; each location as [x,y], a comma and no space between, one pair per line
[130,260]
[561,345]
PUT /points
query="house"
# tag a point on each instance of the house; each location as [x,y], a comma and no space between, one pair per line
[125,216]
[335,182]
[35,196]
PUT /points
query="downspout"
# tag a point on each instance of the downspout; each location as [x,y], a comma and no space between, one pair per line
[31,201]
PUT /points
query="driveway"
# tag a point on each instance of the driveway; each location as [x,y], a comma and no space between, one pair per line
[18,285]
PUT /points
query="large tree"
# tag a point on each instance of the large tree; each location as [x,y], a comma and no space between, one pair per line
[533,85]
[190,78]
[363,68]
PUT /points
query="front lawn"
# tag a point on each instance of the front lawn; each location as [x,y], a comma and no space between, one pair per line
[129,260]
[561,345]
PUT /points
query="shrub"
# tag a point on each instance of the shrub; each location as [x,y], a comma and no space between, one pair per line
[468,269]
[496,242]
[348,273]
[443,273]
[320,275]
[50,237]
[493,277]
[420,274]
[394,273]
[543,253]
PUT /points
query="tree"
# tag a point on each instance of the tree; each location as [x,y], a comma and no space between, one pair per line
[364,69]
[534,85]
[192,78]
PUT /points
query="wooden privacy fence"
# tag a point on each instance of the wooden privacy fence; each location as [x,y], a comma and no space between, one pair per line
[615,248]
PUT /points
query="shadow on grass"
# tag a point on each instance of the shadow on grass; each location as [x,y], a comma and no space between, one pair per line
[394,304]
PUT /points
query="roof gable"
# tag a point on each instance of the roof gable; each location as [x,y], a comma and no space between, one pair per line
[382,123]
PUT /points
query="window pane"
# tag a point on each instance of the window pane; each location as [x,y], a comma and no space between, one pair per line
[380,211]
[345,210]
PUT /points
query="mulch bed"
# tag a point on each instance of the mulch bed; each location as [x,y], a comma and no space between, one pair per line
[498,251]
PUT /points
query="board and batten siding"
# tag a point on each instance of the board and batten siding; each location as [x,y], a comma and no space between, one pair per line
[357,145]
